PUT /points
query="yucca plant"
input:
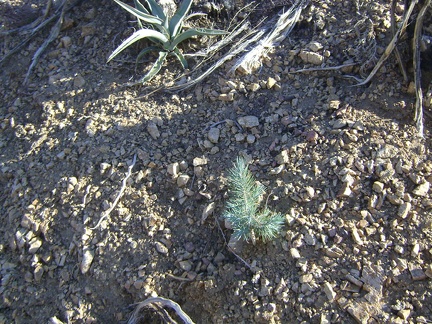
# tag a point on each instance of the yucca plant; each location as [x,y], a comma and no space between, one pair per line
[164,31]
[248,221]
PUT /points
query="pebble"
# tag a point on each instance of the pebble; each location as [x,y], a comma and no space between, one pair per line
[328,290]
[208,210]
[422,189]
[198,161]
[248,121]
[161,248]
[378,186]
[282,157]
[213,135]
[182,180]
[34,245]
[78,81]
[295,253]
[173,169]
[185,265]
[311,57]
[404,209]
[87,260]
[250,139]
[153,130]
[270,82]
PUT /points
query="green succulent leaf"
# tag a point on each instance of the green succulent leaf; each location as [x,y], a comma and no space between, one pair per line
[155,68]
[156,9]
[180,57]
[140,7]
[140,34]
[195,32]
[176,21]
[145,51]
[141,15]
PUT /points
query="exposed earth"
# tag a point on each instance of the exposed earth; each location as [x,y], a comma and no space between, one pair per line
[343,163]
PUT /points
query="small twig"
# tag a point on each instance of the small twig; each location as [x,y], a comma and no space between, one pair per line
[392,44]
[229,248]
[393,30]
[224,121]
[164,302]
[55,31]
[106,213]
[329,68]
[171,276]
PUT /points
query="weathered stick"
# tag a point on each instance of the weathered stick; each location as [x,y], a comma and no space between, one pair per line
[106,213]
[164,302]
[418,117]
[392,44]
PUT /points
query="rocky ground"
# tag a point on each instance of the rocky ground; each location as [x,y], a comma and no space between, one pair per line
[343,163]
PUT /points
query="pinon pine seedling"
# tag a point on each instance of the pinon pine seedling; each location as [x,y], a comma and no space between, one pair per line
[248,220]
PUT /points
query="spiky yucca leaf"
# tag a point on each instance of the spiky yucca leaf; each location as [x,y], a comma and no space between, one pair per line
[155,68]
[242,209]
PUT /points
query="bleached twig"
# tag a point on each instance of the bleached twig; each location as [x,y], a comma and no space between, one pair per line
[280,31]
[328,68]
[106,213]
[391,45]
[164,302]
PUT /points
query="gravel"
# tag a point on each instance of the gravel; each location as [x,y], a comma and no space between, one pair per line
[342,163]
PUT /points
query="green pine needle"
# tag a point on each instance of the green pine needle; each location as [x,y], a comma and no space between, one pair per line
[242,210]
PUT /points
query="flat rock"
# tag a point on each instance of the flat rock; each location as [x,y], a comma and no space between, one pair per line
[422,189]
[248,121]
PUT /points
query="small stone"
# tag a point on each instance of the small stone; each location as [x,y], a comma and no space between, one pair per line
[334,104]
[35,244]
[182,180]
[239,137]
[213,135]
[254,87]
[315,46]
[282,157]
[356,236]
[87,260]
[417,273]
[311,57]
[219,257]
[173,169]
[339,123]
[185,265]
[250,139]
[404,314]
[295,253]
[422,189]
[199,161]
[226,96]
[270,82]
[248,121]
[78,81]
[208,210]
[38,272]
[404,209]
[66,41]
[345,190]
[153,130]
[161,248]
[330,293]
[334,252]
[378,186]
[312,136]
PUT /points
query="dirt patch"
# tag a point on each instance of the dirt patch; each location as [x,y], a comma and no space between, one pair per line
[343,163]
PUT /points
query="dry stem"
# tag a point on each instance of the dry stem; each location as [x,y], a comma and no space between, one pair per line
[106,213]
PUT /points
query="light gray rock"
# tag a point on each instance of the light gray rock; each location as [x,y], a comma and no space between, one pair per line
[248,121]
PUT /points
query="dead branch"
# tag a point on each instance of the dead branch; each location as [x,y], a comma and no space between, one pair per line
[164,302]
[106,213]
[418,117]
